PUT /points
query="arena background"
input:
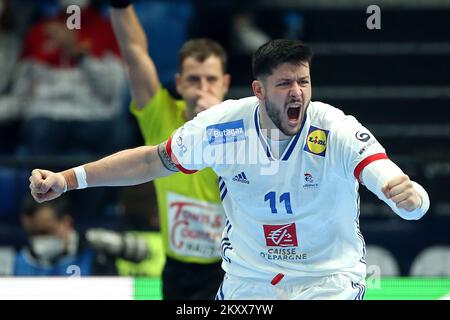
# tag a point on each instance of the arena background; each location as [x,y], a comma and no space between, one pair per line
[395,80]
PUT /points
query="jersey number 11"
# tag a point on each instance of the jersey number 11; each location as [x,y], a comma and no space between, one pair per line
[285,197]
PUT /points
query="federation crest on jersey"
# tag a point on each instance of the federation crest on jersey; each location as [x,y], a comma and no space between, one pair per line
[309,181]
[226,132]
[316,141]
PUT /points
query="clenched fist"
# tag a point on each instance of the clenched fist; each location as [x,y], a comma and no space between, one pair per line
[401,191]
[46,185]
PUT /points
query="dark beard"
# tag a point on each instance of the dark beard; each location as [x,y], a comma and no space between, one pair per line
[275,115]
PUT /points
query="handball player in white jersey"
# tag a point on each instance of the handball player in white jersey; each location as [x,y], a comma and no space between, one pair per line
[289,171]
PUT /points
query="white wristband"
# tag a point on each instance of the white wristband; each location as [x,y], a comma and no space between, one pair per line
[80,173]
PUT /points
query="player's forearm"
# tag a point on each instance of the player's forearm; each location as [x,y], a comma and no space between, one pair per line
[128,167]
[379,173]
[129,34]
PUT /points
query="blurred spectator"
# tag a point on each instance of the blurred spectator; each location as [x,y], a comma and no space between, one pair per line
[70,84]
[56,248]
[9,43]
[192,269]
[12,27]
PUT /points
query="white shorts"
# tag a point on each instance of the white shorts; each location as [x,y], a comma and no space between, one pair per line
[334,287]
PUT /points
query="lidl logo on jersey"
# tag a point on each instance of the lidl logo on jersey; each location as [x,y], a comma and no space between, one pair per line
[226,132]
[316,141]
[280,235]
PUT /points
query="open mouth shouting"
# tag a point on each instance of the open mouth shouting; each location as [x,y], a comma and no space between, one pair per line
[293,111]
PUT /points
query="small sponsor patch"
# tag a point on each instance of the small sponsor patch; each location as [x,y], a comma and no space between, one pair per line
[367,146]
[310,182]
[241,177]
[182,149]
[226,132]
[195,226]
[316,141]
[280,235]
[362,136]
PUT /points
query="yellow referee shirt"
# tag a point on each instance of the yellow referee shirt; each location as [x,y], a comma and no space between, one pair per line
[191,214]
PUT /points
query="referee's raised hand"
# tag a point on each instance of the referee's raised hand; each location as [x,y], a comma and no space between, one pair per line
[46,185]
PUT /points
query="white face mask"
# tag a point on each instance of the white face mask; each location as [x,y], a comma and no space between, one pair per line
[79,3]
[47,247]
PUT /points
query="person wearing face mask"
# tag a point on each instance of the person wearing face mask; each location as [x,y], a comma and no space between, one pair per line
[190,211]
[15,18]
[55,248]
[289,172]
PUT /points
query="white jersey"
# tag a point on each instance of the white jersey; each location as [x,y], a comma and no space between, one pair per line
[297,215]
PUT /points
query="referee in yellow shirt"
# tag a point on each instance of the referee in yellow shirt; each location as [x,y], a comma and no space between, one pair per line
[191,215]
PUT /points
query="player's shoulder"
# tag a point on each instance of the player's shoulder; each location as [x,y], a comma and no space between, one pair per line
[229,110]
[327,116]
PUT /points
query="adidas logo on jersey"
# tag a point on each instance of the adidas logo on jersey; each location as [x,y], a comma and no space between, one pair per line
[241,178]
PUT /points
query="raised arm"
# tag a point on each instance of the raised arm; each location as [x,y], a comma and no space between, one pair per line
[128,167]
[133,46]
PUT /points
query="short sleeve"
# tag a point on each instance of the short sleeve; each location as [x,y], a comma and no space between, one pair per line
[354,147]
[209,139]
[188,145]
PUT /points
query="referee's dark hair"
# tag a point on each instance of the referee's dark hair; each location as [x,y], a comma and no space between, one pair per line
[275,52]
[201,49]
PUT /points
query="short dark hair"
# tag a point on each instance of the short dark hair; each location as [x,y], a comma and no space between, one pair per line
[275,52]
[59,206]
[201,49]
